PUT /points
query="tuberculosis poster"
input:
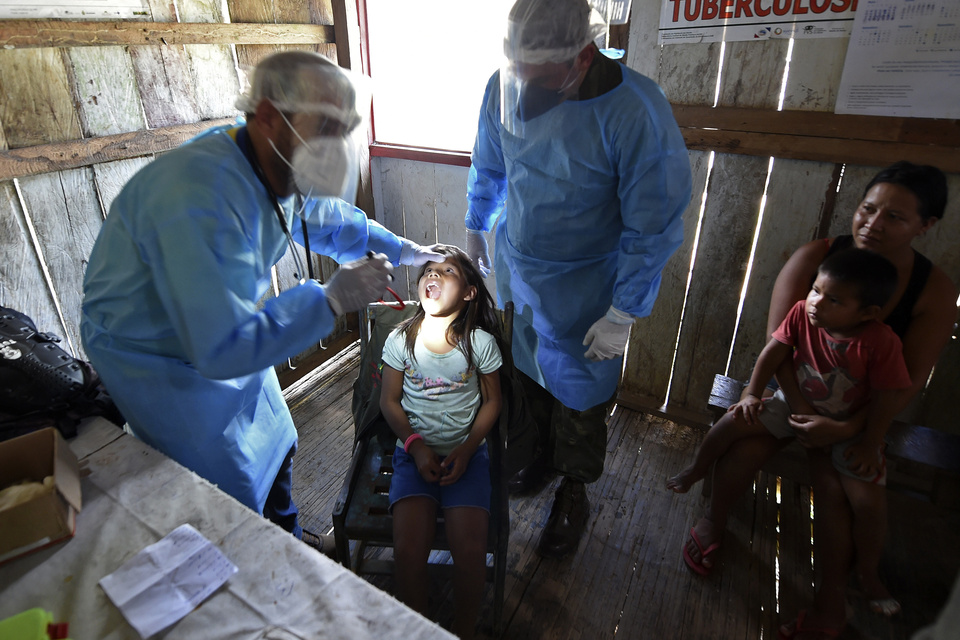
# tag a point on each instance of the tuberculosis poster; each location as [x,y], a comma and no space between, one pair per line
[716,20]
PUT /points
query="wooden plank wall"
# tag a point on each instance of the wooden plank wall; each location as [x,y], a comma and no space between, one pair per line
[87,104]
[821,162]
[802,199]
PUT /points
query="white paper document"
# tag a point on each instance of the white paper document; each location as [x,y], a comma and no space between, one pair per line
[903,60]
[167,580]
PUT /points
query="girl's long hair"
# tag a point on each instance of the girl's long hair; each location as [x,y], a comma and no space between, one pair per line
[479,313]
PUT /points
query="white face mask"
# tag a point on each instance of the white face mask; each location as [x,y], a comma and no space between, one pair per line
[325,166]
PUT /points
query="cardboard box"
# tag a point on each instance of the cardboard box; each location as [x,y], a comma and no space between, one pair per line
[50,517]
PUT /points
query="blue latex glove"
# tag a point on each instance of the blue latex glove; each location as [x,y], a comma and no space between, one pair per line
[607,337]
[478,251]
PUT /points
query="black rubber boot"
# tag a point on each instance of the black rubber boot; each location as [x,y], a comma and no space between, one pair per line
[568,519]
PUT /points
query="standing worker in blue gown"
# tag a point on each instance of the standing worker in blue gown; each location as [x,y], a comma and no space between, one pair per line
[170,313]
[580,166]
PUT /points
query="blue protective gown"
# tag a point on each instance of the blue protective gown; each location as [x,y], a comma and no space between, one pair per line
[587,207]
[170,318]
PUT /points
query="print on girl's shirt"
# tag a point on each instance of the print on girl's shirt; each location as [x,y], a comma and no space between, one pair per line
[435,386]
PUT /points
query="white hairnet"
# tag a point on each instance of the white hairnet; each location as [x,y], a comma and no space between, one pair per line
[304,82]
[542,31]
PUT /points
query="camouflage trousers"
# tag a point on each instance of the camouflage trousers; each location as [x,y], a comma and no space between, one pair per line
[573,442]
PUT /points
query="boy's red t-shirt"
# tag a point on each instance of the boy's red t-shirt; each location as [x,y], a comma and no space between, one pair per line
[837,376]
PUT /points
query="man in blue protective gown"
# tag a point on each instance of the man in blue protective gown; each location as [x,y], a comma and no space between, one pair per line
[170,314]
[581,168]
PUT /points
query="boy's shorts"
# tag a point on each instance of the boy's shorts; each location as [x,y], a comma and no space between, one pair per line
[840,463]
[775,416]
[471,490]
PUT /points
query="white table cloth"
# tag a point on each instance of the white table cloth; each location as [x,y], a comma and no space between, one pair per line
[132,497]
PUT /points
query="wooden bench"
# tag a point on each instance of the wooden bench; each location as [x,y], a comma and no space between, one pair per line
[920,461]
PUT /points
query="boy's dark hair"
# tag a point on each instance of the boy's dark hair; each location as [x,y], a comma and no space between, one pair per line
[480,313]
[927,183]
[874,277]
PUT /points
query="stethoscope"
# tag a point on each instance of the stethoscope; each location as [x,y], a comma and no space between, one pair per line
[244,140]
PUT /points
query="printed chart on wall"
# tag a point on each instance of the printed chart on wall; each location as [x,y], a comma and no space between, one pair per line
[78,9]
[730,20]
[903,60]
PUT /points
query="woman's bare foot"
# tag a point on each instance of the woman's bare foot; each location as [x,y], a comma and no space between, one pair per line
[682,482]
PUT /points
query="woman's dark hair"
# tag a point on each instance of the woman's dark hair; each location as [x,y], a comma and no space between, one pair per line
[874,277]
[480,312]
[927,183]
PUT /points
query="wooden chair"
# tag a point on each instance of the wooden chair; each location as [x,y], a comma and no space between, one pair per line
[361,521]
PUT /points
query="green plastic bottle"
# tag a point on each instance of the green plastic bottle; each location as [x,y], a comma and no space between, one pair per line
[33,624]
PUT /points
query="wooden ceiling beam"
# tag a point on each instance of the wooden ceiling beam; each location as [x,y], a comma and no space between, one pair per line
[60,156]
[785,134]
[821,136]
[68,33]
[821,124]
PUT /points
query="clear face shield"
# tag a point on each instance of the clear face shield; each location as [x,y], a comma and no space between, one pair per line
[540,67]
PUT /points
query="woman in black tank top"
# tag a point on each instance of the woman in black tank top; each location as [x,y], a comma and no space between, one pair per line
[900,204]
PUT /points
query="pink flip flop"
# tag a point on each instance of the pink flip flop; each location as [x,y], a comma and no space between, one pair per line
[798,628]
[693,564]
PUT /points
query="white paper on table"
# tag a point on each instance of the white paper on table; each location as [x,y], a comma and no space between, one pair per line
[167,580]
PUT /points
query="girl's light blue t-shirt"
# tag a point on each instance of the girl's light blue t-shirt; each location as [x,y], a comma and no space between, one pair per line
[441,395]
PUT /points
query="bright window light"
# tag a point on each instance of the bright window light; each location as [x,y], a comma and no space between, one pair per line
[430,61]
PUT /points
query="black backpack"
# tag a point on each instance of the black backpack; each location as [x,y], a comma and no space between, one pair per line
[41,385]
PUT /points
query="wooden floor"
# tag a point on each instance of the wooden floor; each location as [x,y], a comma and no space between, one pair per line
[627,579]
